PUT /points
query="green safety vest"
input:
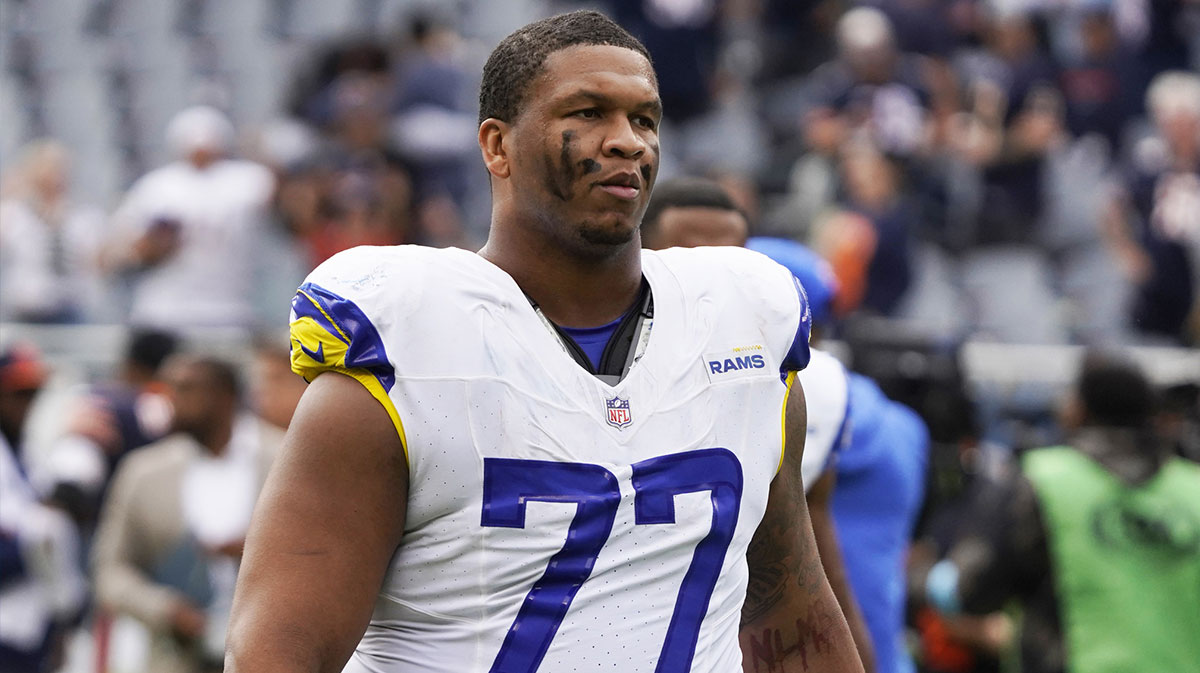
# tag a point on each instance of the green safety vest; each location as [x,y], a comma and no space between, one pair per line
[1126,562]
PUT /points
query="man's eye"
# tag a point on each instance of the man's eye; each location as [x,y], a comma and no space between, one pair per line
[589,113]
[647,123]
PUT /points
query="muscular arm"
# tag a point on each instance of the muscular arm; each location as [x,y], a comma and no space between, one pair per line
[330,516]
[791,622]
[819,500]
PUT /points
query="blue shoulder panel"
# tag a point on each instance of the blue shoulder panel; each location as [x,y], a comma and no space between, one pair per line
[798,355]
[331,331]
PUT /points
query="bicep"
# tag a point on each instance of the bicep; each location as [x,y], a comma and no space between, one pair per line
[789,603]
[327,523]
[780,550]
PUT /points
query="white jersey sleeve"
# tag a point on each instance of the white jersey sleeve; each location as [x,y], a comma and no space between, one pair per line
[339,311]
[826,392]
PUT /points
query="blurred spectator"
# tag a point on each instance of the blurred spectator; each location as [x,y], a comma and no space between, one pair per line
[691,212]
[1098,539]
[368,191]
[108,421]
[22,375]
[1153,222]
[932,27]
[1171,24]
[871,96]
[1179,421]
[288,147]
[959,477]
[798,36]
[1013,119]
[172,530]
[435,128]
[275,389]
[1102,85]
[188,231]
[872,91]
[362,211]
[314,97]
[41,585]
[872,262]
[683,41]
[49,247]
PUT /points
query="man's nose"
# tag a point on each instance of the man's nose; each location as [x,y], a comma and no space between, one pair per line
[624,141]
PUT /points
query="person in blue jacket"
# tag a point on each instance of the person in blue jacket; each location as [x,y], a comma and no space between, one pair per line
[880,476]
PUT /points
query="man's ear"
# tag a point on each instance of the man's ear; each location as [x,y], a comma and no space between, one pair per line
[492,134]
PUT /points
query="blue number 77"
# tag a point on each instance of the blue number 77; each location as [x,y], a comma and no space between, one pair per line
[509,483]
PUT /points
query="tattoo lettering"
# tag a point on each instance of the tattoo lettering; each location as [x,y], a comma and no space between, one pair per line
[770,651]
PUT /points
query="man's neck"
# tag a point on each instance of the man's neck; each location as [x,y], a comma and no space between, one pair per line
[571,291]
[1130,454]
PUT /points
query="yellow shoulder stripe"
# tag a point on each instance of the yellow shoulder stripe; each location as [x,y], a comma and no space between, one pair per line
[344,337]
[373,386]
[791,378]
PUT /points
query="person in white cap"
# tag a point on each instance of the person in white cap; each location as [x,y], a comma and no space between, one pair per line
[182,221]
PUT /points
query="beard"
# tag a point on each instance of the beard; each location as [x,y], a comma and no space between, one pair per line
[605,235]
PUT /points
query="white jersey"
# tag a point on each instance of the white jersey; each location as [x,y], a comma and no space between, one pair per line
[555,522]
[827,395]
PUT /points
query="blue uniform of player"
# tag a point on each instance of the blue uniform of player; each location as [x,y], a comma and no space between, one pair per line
[880,486]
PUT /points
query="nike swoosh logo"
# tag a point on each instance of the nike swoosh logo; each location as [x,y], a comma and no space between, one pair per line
[317,355]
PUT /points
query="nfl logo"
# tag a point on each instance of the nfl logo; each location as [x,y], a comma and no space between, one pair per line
[618,412]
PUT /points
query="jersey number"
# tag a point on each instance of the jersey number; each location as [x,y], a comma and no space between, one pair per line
[509,483]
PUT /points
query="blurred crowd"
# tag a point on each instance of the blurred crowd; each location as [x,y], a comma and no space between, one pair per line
[1020,171]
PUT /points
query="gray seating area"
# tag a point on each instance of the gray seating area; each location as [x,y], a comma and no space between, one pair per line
[104,76]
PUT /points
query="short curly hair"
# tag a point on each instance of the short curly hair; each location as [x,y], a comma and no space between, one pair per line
[519,58]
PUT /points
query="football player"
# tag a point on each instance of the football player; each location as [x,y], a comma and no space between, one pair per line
[560,453]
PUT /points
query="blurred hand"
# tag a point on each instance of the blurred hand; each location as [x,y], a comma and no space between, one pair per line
[825,131]
[158,243]
[187,621]
[93,420]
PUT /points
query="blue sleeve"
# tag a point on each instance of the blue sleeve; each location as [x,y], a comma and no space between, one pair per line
[331,332]
[798,355]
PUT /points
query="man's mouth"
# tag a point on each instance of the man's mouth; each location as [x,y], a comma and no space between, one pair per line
[625,186]
[621,192]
